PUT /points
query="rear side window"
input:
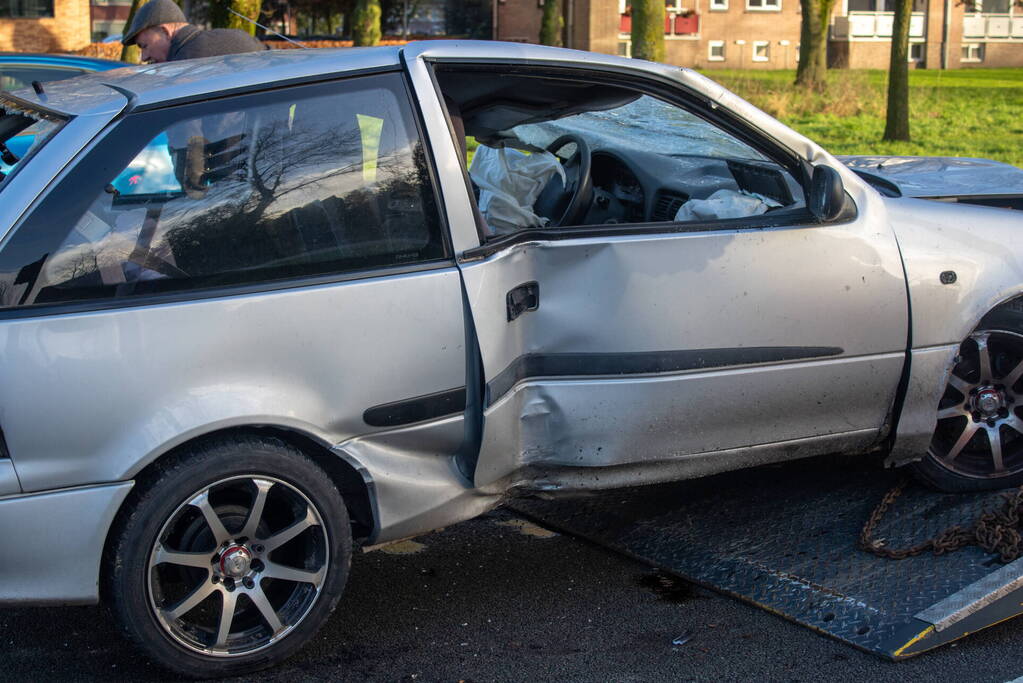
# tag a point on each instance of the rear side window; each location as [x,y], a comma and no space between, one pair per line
[300,182]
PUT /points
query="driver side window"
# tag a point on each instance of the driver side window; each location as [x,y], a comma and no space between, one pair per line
[555,153]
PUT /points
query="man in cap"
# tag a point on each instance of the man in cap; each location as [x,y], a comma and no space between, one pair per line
[163,34]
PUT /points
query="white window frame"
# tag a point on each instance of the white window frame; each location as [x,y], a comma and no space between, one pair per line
[711,44]
[923,52]
[718,5]
[973,49]
[676,7]
[766,44]
[775,7]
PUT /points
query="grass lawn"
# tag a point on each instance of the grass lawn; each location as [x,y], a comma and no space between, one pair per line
[963,112]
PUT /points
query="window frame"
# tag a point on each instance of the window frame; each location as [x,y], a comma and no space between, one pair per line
[766,44]
[206,106]
[718,5]
[711,44]
[968,50]
[44,13]
[764,7]
[676,95]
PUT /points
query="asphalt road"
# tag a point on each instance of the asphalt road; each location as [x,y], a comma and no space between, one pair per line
[498,599]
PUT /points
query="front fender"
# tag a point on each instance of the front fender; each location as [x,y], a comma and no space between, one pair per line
[983,247]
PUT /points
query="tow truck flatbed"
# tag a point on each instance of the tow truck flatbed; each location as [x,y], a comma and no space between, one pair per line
[784,538]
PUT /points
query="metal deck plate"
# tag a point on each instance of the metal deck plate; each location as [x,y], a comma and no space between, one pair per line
[785,538]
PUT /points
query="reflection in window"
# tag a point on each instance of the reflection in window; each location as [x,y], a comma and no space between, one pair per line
[307,187]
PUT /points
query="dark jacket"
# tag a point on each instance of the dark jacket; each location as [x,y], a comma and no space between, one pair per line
[190,42]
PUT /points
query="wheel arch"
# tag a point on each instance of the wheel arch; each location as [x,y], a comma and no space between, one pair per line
[346,475]
[929,373]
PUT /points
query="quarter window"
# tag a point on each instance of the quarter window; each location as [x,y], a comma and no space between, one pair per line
[301,182]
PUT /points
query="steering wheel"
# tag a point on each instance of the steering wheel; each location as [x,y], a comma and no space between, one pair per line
[567,203]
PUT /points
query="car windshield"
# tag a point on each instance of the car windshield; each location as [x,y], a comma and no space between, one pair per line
[23,130]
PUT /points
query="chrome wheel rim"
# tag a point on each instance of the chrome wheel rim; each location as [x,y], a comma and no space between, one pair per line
[238,566]
[980,432]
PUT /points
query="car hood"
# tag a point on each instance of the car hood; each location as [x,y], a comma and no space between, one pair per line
[933,177]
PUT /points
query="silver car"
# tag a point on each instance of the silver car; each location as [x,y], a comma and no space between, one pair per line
[258,308]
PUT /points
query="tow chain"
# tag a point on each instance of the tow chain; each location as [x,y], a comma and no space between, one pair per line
[996,531]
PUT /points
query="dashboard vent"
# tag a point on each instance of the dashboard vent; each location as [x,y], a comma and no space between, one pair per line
[667,205]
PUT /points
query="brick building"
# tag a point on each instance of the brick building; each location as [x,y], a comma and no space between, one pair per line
[44,25]
[764,34]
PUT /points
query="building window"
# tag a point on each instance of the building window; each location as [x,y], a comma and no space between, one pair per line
[26,8]
[716,50]
[719,4]
[761,50]
[973,52]
[764,5]
[916,52]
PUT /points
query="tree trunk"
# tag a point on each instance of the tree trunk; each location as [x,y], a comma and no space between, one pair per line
[648,30]
[130,53]
[247,8]
[897,125]
[550,25]
[813,39]
[366,24]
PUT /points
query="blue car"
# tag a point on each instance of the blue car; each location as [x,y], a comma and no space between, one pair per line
[19,69]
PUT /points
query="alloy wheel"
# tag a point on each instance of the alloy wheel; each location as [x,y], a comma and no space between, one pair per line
[238,566]
[980,432]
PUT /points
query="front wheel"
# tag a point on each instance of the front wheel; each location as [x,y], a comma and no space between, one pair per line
[978,441]
[231,557]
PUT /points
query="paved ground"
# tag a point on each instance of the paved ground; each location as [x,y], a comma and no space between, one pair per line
[500,599]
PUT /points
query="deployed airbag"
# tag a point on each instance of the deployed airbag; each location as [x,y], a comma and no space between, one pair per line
[724,204]
[509,183]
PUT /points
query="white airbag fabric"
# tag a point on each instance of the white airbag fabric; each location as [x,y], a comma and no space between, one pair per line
[509,182]
[724,204]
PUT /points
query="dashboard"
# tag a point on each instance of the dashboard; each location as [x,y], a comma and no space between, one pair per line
[644,187]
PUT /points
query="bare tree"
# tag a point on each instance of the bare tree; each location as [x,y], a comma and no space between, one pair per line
[366,27]
[131,53]
[648,30]
[221,17]
[813,39]
[897,123]
[550,26]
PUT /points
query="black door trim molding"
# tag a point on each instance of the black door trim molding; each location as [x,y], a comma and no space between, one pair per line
[644,363]
[416,409]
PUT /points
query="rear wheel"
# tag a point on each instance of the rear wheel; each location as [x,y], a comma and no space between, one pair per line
[232,557]
[978,441]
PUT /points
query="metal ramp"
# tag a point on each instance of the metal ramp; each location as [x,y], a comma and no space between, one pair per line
[784,538]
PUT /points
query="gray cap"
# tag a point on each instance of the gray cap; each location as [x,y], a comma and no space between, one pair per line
[153,13]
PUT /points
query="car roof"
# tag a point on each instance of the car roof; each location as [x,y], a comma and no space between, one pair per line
[60,61]
[158,84]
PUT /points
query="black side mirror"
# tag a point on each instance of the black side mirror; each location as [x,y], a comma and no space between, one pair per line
[827,195]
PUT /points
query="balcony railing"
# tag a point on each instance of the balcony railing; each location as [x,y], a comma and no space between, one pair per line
[992,26]
[674,24]
[874,25]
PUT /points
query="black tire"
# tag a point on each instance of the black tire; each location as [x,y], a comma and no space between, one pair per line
[161,519]
[969,470]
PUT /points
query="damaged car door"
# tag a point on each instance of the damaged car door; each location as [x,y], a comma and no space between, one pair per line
[680,310]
